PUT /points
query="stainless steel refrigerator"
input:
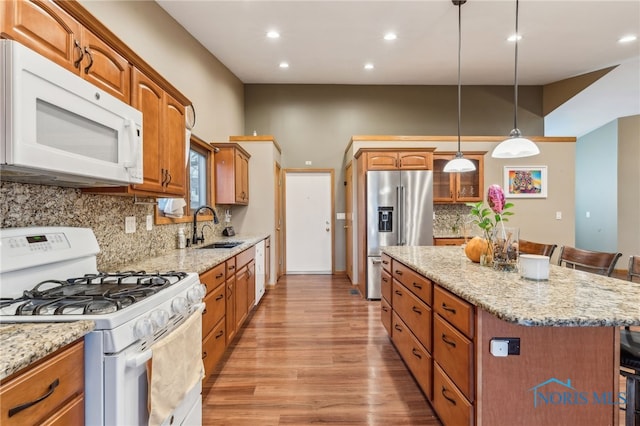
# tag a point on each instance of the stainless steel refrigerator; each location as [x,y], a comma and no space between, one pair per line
[399,212]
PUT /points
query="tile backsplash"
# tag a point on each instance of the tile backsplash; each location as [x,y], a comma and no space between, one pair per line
[449,220]
[40,205]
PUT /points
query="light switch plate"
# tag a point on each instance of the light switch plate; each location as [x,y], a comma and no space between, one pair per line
[149,222]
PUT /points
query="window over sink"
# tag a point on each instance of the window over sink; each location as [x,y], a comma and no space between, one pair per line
[200,188]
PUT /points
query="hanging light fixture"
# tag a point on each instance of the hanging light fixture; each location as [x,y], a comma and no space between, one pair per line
[459,163]
[515,146]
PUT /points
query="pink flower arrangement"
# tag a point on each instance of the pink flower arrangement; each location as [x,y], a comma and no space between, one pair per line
[495,198]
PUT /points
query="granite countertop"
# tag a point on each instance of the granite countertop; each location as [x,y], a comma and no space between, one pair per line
[192,259]
[25,343]
[570,298]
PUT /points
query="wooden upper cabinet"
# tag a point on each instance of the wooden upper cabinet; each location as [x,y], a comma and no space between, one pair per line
[458,187]
[49,30]
[105,68]
[164,138]
[232,174]
[399,160]
[44,27]
[174,145]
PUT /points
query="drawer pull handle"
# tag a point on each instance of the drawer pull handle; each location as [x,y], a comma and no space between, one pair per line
[204,311]
[231,268]
[219,335]
[385,279]
[416,310]
[220,275]
[451,400]
[447,308]
[416,353]
[447,341]
[220,296]
[386,262]
[52,387]
[384,308]
[398,292]
[204,355]
[398,272]
[418,286]
[397,327]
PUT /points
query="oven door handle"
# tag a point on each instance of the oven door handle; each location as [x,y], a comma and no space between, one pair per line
[139,359]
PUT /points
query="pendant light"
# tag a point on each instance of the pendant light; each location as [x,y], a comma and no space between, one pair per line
[459,163]
[515,146]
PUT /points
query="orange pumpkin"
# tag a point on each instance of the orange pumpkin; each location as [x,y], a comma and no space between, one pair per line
[476,247]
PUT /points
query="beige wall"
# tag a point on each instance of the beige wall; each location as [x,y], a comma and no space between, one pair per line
[217,94]
[316,122]
[628,188]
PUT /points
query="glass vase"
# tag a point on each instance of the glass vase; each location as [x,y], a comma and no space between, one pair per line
[505,248]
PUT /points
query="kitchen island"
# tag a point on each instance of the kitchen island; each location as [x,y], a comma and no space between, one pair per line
[492,348]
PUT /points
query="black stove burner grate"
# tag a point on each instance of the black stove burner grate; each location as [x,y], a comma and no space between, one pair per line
[101,293]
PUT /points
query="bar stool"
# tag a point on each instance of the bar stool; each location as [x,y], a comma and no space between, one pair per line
[530,247]
[630,358]
[597,262]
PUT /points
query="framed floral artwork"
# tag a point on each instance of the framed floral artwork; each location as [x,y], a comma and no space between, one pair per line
[525,181]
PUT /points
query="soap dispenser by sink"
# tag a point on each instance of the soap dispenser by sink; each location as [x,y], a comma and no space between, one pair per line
[228,228]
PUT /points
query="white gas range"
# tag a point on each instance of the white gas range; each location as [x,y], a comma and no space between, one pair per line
[49,274]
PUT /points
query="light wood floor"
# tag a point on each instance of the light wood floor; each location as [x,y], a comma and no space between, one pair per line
[313,352]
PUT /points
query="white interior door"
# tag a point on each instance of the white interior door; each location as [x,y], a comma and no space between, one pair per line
[309,222]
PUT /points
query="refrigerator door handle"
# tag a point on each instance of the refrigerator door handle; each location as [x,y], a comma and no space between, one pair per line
[401,218]
[376,261]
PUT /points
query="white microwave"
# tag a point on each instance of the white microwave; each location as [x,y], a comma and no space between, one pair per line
[59,129]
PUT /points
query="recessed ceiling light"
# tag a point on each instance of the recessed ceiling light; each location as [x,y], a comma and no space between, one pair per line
[514,37]
[627,39]
[284,65]
[368,66]
[390,36]
[273,34]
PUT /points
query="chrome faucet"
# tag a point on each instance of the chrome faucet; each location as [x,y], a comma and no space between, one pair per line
[194,238]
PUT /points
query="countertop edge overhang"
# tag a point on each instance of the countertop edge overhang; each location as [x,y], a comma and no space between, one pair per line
[22,344]
[570,298]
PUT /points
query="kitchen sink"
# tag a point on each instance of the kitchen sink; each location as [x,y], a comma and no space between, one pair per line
[222,244]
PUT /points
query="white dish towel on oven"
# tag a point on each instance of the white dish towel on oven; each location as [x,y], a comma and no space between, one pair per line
[175,368]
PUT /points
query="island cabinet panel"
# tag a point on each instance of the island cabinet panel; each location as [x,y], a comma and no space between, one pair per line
[415,356]
[416,283]
[563,375]
[414,312]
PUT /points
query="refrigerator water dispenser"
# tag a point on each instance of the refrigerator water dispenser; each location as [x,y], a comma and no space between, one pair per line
[385,219]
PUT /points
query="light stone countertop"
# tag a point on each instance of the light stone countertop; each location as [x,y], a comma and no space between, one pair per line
[25,343]
[192,259]
[22,344]
[570,298]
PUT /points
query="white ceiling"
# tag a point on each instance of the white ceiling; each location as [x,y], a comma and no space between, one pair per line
[328,42]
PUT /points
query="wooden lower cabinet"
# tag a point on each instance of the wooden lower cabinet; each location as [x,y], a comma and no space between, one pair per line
[414,354]
[467,385]
[62,375]
[229,299]
[450,404]
[213,347]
